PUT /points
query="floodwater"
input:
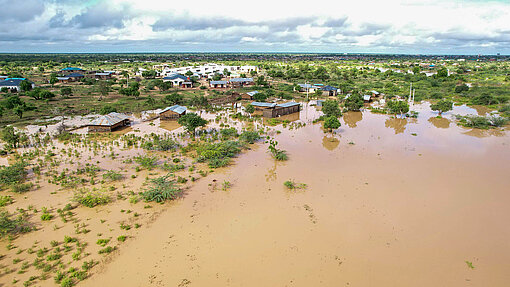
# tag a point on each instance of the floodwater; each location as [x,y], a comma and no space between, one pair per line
[389,202]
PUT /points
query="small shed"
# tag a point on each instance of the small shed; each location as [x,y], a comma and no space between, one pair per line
[367,98]
[218,84]
[172,113]
[282,110]
[260,106]
[329,91]
[240,82]
[249,95]
[109,122]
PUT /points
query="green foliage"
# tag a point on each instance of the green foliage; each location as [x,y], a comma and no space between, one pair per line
[290,184]
[161,189]
[397,107]
[218,154]
[66,91]
[249,136]
[461,88]
[442,73]
[13,174]
[442,106]
[91,198]
[112,175]
[160,143]
[354,102]
[106,250]
[40,94]
[10,136]
[481,122]
[191,122]
[103,241]
[11,224]
[278,154]
[484,100]
[5,200]
[147,162]
[249,109]
[228,133]
[174,99]
[330,109]
[331,123]
[106,109]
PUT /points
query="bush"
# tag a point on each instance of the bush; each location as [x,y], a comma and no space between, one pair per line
[290,184]
[112,175]
[10,226]
[5,200]
[91,199]
[249,136]
[147,162]
[218,154]
[13,174]
[161,189]
[481,122]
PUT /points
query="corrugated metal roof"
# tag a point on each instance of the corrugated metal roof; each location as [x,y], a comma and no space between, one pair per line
[367,97]
[241,80]
[62,78]
[253,93]
[288,104]
[218,82]
[11,82]
[109,119]
[175,76]
[72,69]
[175,108]
[75,75]
[328,88]
[265,105]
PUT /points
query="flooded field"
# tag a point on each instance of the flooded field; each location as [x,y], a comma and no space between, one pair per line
[389,202]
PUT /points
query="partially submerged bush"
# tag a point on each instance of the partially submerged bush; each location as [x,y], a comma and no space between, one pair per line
[112,175]
[11,224]
[290,184]
[12,174]
[218,154]
[91,198]
[161,189]
[147,162]
[160,143]
[481,122]
[249,136]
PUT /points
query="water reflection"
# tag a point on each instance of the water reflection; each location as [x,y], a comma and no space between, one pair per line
[352,118]
[478,133]
[441,123]
[287,118]
[330,143]
[399,125]
[271,173]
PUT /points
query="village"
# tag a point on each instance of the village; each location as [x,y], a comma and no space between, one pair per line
[113,159]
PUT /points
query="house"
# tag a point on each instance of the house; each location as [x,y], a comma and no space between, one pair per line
[109,122]
[329,91]
[272,110]
[218,84]
[71,69]
[308,87]
[63,79]
[249,95]
[172,113]
[179,81]
[375,93]
[367,98]
[240,82]
[73,77]
[103,75]
[260,106]
[13,84]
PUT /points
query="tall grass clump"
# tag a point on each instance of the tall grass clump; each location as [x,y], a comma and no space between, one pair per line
[161,189]
[91,198]
[217,154]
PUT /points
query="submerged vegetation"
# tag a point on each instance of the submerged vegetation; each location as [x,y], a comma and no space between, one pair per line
[482,122]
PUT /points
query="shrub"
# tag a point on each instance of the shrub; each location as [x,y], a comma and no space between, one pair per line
[102,242]
[249,136]
[46,216]
[13,174]
[217,154]
[161,189]
[481,122]
[91,199]
[106,250]
[290,184]
[147,162]
[5,200]
[121,238]
[112,175]
[10,226]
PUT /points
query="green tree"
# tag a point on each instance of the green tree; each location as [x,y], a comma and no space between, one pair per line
[53,79]
[261,81]
[18,110]
[25,86]
[397,107]
[174,99]
[66,91]
[461,88]
[330,108]
[354,102]
[442,73]
[331,123]
[10,136]
[442,106]
[191,122]
[104,89]
[189,73]
[249,109]
[150,74]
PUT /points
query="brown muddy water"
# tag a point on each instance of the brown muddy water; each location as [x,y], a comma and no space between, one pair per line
[389,202]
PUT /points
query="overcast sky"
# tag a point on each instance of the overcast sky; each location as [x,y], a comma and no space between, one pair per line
[367,26]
